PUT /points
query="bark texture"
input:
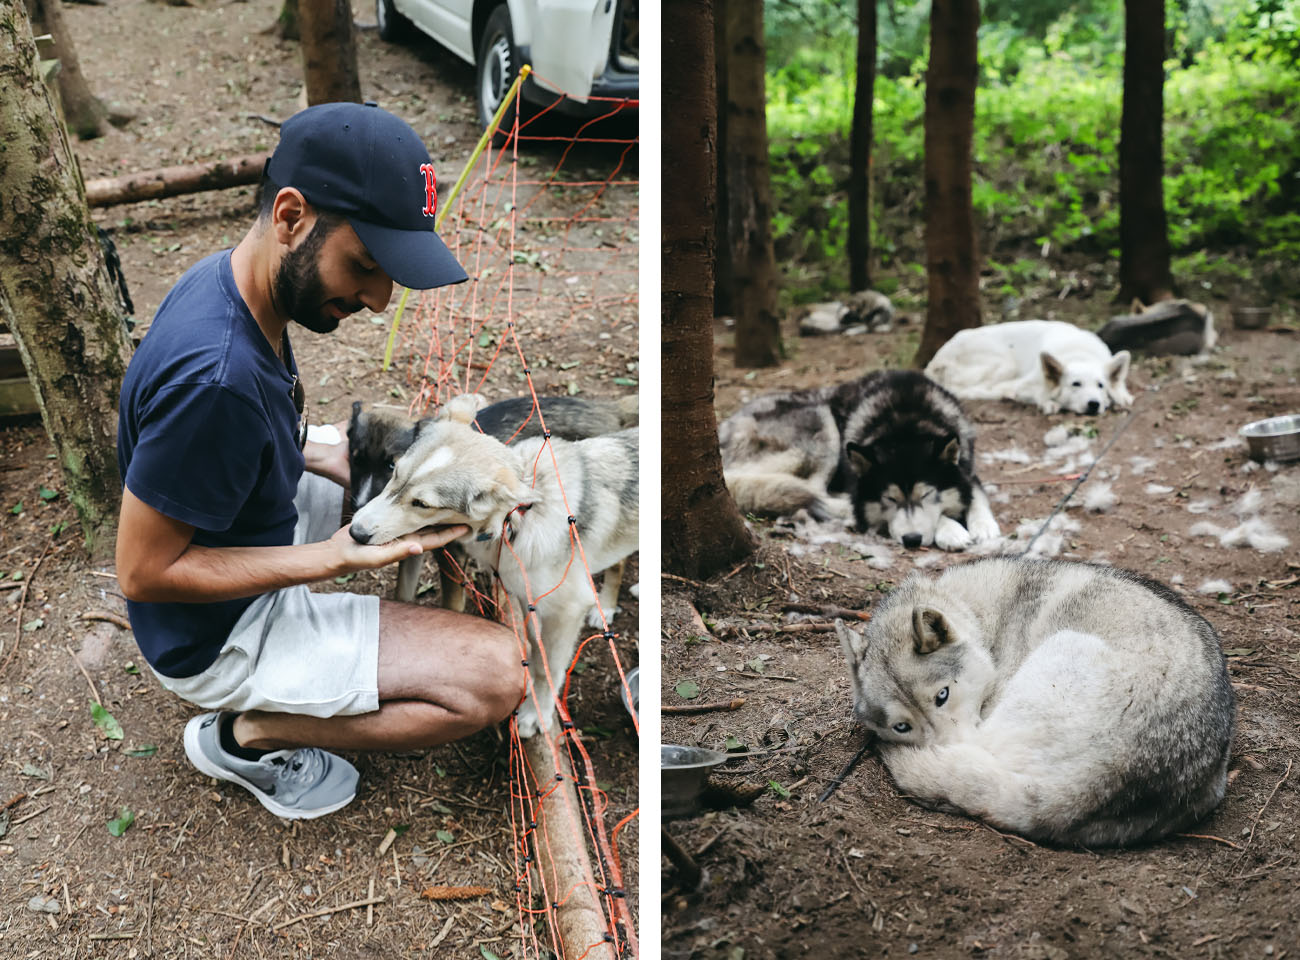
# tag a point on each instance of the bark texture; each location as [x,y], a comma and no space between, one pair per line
[329,51]
[860,151]
[702,530]
[1144,271]
[952,255]
[745,186]
[55,292]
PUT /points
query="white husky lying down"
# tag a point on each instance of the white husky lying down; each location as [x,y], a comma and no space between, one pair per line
[1052,365]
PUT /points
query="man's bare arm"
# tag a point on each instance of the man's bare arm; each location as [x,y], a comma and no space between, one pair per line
[329,460]
[157,563]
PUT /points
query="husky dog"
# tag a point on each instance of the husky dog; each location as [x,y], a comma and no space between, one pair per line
[521,523]
[377,436]
[894,441]
[1052,365]
[1077,704]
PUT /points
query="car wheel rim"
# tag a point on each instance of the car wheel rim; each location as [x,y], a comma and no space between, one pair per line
[496,74]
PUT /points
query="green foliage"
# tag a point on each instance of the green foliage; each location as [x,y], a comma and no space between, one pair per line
[1046,143]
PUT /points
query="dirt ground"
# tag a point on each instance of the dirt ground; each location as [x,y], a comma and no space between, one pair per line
[204,871]
[867,873]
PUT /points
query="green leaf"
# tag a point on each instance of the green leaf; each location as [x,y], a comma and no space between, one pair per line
[756,664]
[17,508]
[16,575]
[573,388]
[580,666]
[31,625]
[779,790]
[122,824]
[32,770]
[570,364]
[485,339]
[131,668]
[144,750]
[47,494]
[106,722]
[401,828]
[734,745]
[625,381]
[688,689]
[446,836]
[487,954]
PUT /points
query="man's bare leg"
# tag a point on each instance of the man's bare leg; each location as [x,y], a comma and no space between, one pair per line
[442,676]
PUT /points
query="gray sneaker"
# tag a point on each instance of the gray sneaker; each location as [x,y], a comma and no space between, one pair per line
[297,784]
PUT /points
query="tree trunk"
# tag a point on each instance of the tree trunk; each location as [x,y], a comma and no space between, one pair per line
[724,281]
[55,292]
[286,24]
[172,181]
[1144,270]
[745,171]
[703,531]
[952,255]
[82,110]
[860,151]
[329,51]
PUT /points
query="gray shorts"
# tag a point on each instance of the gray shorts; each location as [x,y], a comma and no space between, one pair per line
[294,651]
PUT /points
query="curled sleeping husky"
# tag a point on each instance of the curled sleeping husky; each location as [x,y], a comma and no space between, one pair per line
[1052,365]
[377,436]
[520,523]
[1076,704]
[892,449]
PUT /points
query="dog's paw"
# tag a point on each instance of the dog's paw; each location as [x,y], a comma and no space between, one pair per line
[951,535]
[982,526]
[594,615]
[526,721]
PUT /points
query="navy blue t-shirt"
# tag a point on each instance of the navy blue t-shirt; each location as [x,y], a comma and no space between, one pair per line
[207,434]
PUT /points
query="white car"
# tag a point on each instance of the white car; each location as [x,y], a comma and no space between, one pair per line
[581,48]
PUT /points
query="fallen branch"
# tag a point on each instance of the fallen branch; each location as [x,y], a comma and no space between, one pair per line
[758,626]
[77,660]
[112,618]
[124,935]
[826,610]
[1206,836]
[848,768]
[172,181]
[34,813]
[329,910]
[22,602]
[721,705]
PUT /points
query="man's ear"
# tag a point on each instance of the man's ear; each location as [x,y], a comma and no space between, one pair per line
[1053,369]
[291,216]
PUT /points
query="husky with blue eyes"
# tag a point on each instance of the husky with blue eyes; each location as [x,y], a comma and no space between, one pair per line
[1073,704]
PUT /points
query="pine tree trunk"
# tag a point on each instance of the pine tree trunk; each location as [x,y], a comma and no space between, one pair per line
[55,292]
[723,276]
[84,113]
[952,255]
[703,531]
[329,51]
[1144,270]
[745,169]
[860,151]
[286,24]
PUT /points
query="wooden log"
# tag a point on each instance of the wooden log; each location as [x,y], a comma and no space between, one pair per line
[562,859]
[172,181]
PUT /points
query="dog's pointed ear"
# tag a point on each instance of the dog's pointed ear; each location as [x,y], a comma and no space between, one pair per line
[462,408]
[1053,369]
[951,451]
[420,427]
[859,459]
[930,630]
[1137,306]
[849,642]
[354,423]
[1117,369]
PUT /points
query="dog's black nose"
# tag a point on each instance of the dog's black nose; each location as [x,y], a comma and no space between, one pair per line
[358,535]
[1093,406]
[912,540]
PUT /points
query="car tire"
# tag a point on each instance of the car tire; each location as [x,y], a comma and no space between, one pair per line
[496,68]
[392,25]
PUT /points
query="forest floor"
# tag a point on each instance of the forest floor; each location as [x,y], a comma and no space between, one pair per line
[866,873]
[204,871]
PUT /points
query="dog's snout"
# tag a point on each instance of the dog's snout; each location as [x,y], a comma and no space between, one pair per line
[359,535]
[1093,406]
[912,540]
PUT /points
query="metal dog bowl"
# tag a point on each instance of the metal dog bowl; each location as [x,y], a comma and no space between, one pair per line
[1277,438]
[1251,318]
[683,772]
[634,685]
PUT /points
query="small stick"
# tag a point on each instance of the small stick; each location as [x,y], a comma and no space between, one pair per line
[329,910]
[1254,823]
[124,935]
[680,708]
[849,871]
[387,842]
[1206,836]
[446,929]
[67,901]
[827,610]
[148,923]
[84,826]
[180,834]
[848,768]
[682,860]
[693,583]
[34,813]
[77,660]
[16,799]
[370,907]
[708,844]
[397,870]
[22,602]
[112,618]
[736,569]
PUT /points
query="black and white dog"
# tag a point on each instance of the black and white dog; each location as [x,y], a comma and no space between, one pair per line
[893,450]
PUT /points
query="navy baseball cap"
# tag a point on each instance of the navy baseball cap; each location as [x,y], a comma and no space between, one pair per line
[369,166]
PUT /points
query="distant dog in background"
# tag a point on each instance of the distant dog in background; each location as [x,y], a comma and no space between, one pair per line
[378,436]
[1050,364]
[522,504]
[892,449]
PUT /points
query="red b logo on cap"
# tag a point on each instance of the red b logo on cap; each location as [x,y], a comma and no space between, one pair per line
[430,189]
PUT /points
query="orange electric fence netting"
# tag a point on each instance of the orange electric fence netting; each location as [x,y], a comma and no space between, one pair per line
[552,260]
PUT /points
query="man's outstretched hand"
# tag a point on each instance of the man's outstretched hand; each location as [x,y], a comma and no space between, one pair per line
[367,556]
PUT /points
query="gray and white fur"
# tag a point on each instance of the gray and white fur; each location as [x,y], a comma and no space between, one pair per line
[1074,704]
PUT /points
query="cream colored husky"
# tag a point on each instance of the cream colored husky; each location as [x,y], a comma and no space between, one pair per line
[523,504]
